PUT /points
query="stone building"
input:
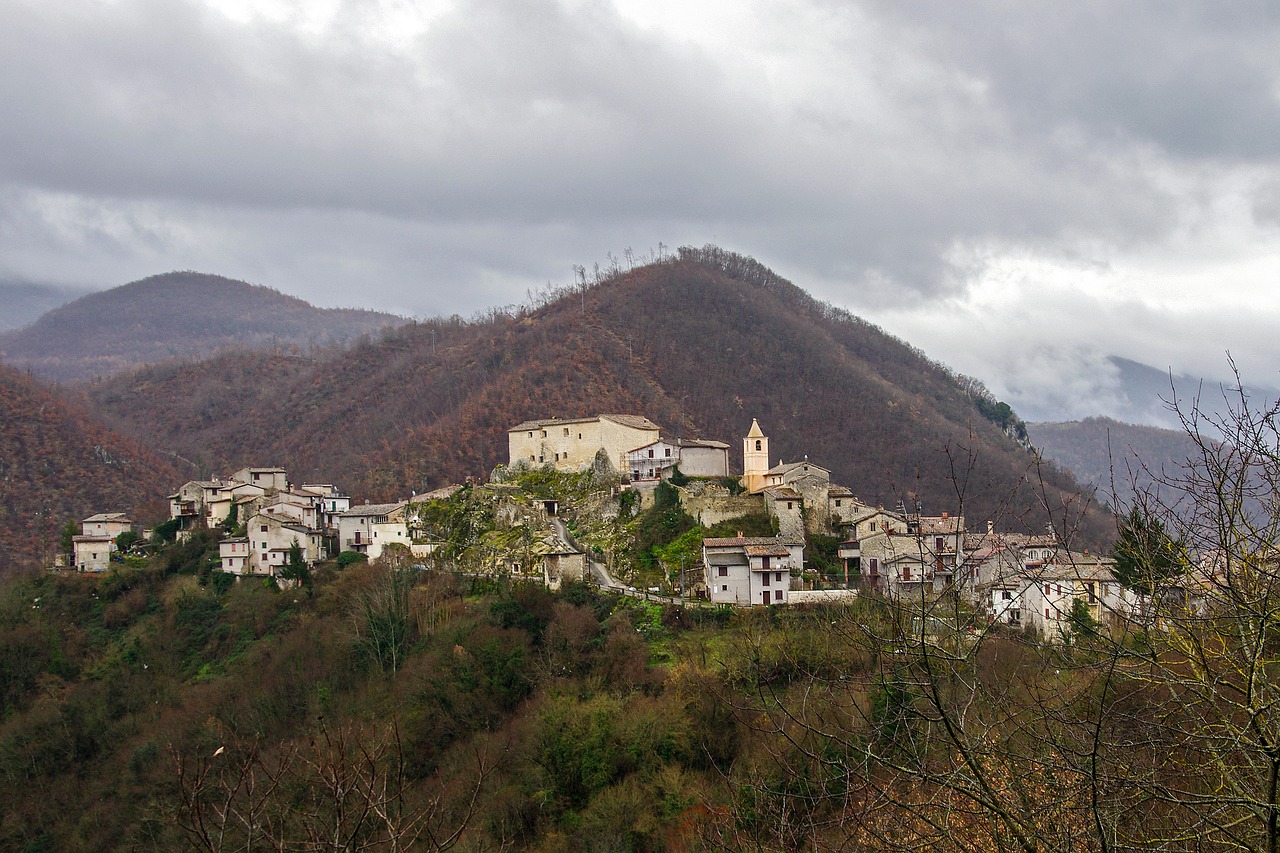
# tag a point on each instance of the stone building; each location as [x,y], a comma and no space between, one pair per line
[571,444]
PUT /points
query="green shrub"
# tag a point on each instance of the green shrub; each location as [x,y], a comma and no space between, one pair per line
[346,558]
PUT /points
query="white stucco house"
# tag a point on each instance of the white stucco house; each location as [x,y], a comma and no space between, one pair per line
[747,570]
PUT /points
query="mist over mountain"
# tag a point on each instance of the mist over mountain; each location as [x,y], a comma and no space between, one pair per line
[1116,458]
[24,302]
[175,315]
[701,343]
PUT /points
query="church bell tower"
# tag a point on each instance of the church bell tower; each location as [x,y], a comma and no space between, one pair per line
[755,458]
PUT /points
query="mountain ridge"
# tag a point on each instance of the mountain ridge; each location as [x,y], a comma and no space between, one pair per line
[700,342]
[173,315]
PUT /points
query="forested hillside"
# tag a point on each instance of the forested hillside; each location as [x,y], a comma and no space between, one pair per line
[701,343]
[175,315]
[58,464]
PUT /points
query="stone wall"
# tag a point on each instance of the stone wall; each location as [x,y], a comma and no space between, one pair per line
[715,504]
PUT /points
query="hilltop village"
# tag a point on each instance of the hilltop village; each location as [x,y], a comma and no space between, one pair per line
[567,505]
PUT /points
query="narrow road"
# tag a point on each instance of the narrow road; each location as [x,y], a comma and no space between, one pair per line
[598,572]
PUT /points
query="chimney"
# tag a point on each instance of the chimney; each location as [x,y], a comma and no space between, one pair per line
[739,534]
[991,527]
[944,514]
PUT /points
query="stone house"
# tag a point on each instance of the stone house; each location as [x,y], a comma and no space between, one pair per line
[332,502]
[268,479]
[110,524]
[271,535]
[189,504]
[92,553]
[560,561]
[844,508]
[746,570]
[909,556]
[357,528]
[92,548]
[786,505]
[571,444]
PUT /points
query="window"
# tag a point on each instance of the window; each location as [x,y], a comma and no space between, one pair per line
[873,525]
[875,566]
[1006,595]
[906,573]
[530,435]
[1015,615]
[650,452]
[1088,591]
[264,528]
[764,562]
[777,576]
[777,595]
[764,579]
[544,433]
[579,436]
[724,571]
[566,432]
[724,587]
[1046,613]
[937,543]
[557,457]
[788,504]
[1046,589]
[264,546]
[757,444]
[668,452]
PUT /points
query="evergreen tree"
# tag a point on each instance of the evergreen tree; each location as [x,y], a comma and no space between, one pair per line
[1146,555]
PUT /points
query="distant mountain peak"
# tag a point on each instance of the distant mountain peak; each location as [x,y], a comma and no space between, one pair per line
[179,314]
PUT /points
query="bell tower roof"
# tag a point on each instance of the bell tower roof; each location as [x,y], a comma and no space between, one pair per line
[755,430]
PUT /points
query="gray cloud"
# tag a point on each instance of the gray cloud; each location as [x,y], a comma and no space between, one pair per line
[885,156]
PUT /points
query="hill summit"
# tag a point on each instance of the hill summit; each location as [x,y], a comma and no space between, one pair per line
[175,315]
[700,342]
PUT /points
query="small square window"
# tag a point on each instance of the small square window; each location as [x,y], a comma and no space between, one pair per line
[724,571]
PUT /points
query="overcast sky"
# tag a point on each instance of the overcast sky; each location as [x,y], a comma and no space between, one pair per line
[1019,189]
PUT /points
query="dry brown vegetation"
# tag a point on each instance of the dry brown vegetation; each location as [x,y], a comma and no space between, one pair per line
[57,463]
[701,343]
